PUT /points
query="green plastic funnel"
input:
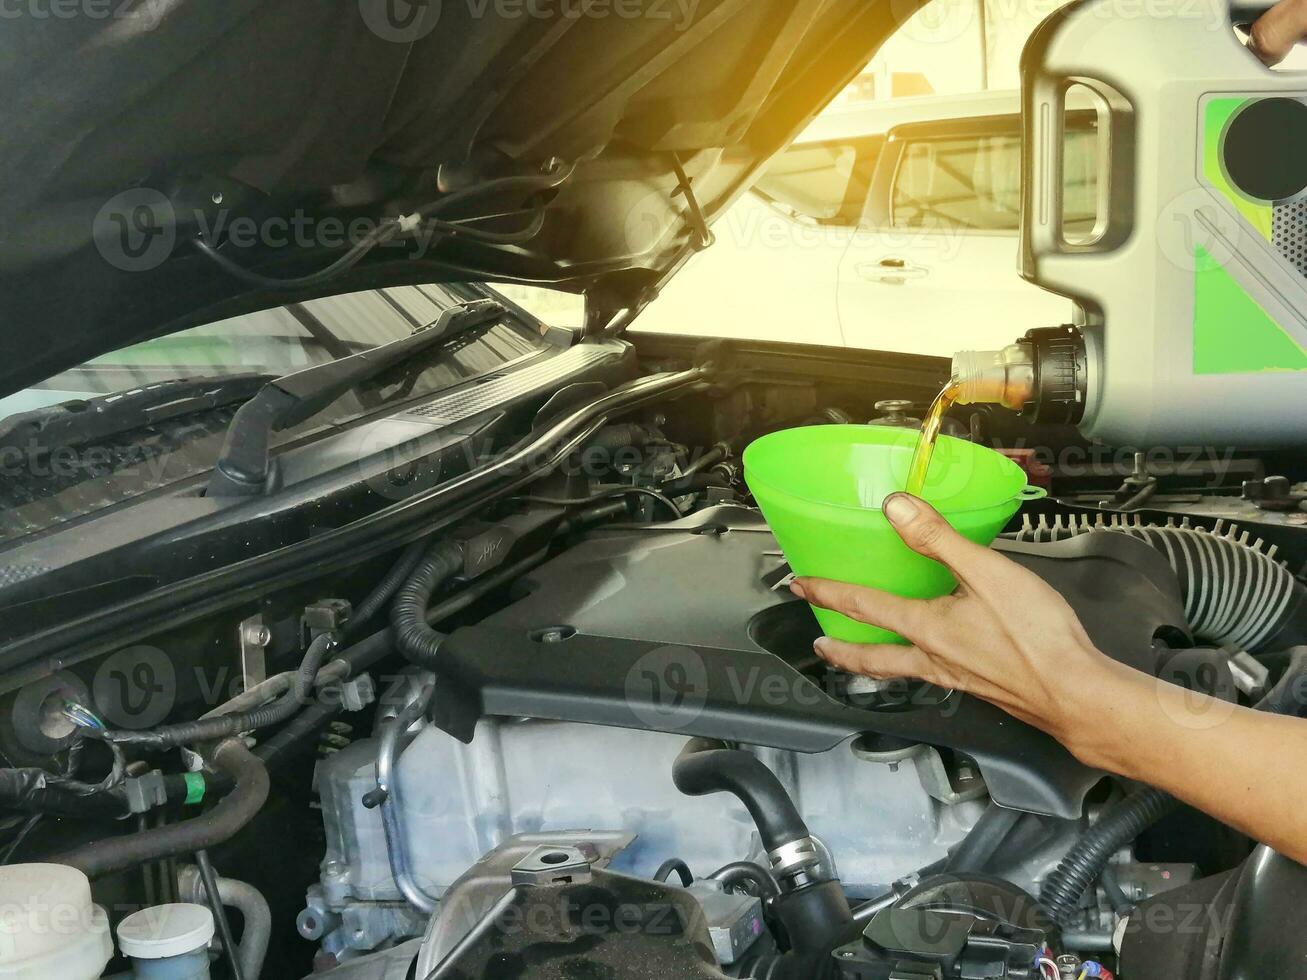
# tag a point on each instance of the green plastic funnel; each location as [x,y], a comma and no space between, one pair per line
[821,488]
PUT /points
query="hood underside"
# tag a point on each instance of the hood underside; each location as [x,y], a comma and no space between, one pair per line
[279,133]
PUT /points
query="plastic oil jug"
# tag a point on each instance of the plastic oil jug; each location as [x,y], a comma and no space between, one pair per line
[1184,247]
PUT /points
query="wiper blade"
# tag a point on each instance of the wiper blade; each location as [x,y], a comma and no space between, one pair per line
[86,421]
[245,467]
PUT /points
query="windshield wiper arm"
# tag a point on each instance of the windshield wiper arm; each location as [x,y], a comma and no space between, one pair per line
[80,421]
[245,467]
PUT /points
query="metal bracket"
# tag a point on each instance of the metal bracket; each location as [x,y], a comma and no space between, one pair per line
[549,865]
[254,638]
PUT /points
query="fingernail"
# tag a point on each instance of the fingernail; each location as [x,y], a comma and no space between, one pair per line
[797,588]
[901,509]
[819,645]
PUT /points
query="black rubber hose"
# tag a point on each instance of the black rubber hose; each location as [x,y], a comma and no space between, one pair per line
[385,590]
[1121,823]
[984,839]
[678,866]
[296,736]
[225,726]
[708,766]
[228,818]
[416,641]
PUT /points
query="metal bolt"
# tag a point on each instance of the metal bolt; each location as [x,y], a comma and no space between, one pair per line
[258,635]
[552,636]
[217,197]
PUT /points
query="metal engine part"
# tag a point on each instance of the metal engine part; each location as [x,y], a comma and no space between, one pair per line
[882,814]
[884,807]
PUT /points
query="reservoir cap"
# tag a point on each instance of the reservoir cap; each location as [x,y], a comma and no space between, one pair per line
[165,931]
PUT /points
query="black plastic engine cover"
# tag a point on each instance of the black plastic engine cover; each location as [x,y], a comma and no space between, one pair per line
[688,627]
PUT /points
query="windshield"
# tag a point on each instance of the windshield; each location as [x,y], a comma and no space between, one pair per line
[53,473]
[273,342]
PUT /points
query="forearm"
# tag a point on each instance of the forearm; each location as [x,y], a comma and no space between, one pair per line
[1245,768]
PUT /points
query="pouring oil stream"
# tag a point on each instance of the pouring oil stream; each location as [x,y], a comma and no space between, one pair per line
[930,427]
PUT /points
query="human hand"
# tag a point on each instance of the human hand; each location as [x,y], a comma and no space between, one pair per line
[1004,635]
[1275,32]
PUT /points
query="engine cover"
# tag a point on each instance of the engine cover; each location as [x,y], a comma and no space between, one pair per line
[687,628]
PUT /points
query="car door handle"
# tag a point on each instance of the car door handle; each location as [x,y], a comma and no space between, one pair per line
[891,271]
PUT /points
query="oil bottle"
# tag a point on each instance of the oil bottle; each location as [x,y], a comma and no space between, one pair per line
[1189,273]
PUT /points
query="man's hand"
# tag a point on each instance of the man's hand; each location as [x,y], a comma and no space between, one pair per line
[1009,638]
[1004,635]
[1278,30]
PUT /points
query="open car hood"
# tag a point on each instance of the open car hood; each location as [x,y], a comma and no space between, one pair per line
[280,132]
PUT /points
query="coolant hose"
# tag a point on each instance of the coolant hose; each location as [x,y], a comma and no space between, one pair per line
[416,641]
[229,817]
[245,899]
[985,838]
[708,766]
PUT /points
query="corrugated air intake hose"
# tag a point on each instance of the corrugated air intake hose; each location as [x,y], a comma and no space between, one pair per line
[1235,592]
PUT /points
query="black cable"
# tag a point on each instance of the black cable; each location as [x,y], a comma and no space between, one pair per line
[383,232]
[385,590]
[662,498]
[544,182]
[1116,896]
[231,815]
[223,726]
[458,229]
[23,833]
[680,867]
[1120,823]
[415,639]
[210,879]
[388,228]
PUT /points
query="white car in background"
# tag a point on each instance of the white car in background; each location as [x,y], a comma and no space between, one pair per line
[888,225]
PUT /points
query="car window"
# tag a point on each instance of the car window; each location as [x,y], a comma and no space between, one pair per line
[974,182]
[900,246]
[825,181]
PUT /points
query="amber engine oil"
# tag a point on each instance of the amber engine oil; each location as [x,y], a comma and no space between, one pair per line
[1184,246]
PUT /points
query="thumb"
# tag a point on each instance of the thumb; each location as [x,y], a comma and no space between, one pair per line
[1278,30]
[927,533]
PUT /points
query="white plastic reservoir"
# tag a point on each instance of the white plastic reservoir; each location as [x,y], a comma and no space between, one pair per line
[48,925]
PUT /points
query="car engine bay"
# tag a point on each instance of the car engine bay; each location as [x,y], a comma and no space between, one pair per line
[608,750]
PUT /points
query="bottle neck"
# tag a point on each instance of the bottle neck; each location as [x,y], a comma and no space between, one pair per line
[995,377]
